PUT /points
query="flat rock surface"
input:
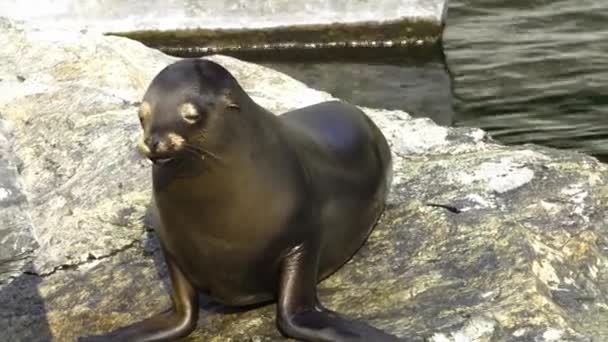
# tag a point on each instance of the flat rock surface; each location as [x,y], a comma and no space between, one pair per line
[514,247]
[124,15]
[16,240]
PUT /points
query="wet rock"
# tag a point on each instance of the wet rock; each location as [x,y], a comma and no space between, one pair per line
[480,242]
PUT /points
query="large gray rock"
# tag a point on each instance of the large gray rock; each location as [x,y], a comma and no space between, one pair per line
[519,251]
[123,15]
[16,240]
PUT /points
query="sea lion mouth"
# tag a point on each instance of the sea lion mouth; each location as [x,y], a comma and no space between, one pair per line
[162,161]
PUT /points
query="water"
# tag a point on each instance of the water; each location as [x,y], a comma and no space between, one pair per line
[532,71]
[526,71]
[419,88]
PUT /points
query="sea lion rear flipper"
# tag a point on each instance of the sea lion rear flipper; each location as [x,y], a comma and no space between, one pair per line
[299,313]
[177,322]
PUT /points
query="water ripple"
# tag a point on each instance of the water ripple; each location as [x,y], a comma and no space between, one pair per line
[532,71]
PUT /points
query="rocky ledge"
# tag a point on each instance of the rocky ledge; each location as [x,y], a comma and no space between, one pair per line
[514,248]
[124,15]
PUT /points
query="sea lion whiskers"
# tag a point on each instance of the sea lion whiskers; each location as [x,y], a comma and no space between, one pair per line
[201,136]
[200,140]
[200,151]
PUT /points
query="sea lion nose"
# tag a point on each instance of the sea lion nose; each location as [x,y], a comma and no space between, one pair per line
[153,141]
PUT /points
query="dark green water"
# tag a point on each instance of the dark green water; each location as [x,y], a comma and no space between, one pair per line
[420,88]
[533,71]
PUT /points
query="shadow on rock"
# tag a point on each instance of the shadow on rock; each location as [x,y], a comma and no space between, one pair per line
[23,315]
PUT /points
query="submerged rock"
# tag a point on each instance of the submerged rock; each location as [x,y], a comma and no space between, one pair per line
[480,242]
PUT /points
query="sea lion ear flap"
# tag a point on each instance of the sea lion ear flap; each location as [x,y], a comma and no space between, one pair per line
[229,100]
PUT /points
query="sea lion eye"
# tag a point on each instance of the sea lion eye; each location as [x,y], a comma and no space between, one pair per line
[143,112]
[189,113]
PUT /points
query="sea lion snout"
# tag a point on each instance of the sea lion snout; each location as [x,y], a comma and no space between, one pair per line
[161,149]
[154,143]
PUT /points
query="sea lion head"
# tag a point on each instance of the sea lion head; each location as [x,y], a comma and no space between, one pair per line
[184,108]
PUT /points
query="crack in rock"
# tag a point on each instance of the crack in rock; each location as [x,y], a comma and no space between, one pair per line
[90,259]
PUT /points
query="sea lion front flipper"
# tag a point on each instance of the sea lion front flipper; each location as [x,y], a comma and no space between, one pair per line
[301,316]
[176,322]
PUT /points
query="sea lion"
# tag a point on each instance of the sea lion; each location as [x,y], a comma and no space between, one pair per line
[256,207]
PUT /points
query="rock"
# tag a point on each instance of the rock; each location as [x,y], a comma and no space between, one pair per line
[16,240]
[120,15]
[480,242]
[74,136]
